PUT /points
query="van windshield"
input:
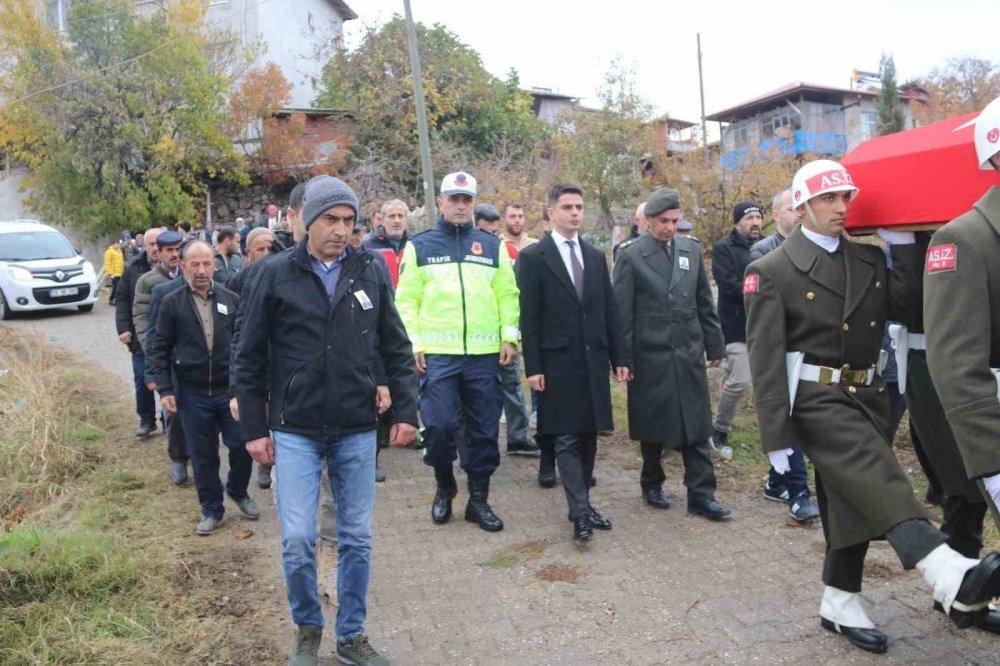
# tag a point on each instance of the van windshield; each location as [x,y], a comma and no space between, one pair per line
[35,245]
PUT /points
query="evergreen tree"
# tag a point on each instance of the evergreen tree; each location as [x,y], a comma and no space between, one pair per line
[891,117]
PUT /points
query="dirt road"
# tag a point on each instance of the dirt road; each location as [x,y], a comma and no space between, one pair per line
[660,588]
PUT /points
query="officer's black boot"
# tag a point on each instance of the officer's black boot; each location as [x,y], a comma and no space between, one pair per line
[447,488]
[478,510]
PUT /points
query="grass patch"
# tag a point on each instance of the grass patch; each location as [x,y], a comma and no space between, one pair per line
[502,561]
[98,564]
[45,437]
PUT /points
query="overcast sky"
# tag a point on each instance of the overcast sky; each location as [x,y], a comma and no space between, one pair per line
[748,48]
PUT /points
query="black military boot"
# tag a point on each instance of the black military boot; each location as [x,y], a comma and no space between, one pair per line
[478,510]
[447,488]
[547,470]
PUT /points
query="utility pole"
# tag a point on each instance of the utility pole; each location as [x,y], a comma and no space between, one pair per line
[418,98]
[701,87]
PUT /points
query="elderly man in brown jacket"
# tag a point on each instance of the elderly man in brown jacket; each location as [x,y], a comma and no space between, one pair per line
[816,311]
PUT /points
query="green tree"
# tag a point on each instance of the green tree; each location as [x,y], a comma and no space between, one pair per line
[467,107]
[891,116]
[131,140]
[603,148]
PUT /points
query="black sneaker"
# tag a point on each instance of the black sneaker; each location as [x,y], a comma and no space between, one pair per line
[523,449]
[775,493]
[358,651]
[803,510]
[145,429]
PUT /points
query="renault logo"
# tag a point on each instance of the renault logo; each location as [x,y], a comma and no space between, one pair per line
[60,276]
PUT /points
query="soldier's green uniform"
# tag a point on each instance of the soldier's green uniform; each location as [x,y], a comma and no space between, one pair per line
[833,308]
[962,318]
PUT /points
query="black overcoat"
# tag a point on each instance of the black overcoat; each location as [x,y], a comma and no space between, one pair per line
[574,344]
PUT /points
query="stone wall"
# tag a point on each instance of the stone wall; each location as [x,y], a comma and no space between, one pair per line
[228,203]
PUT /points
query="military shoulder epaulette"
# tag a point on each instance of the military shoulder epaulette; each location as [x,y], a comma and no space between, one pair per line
[625,243]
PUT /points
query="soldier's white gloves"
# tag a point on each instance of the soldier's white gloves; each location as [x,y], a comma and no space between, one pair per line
[896,237]
[992,484]
[779,460]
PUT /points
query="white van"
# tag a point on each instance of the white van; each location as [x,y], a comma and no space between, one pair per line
[41,270]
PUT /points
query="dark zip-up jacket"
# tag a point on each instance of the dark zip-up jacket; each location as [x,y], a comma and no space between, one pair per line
[324,351]
[123,298]
[179,343]
[730,258]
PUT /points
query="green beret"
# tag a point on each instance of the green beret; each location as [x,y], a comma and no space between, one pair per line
[665,198]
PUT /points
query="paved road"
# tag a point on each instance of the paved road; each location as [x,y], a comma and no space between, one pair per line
[661,588]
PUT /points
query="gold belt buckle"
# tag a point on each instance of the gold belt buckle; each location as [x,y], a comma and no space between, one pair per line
[850,377]
[825,375]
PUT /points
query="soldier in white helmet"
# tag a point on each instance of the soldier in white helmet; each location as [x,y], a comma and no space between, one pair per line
[816,311]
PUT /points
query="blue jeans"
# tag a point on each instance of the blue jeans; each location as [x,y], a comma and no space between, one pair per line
[350,460]
[462,391]
[203,418]
[145,402]
[796,479]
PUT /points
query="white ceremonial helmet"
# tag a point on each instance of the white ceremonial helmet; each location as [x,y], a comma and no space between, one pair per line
[819,177]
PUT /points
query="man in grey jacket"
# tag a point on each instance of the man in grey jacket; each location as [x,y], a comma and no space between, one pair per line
[784,224]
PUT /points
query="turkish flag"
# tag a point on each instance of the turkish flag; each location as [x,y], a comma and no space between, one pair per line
[920,178]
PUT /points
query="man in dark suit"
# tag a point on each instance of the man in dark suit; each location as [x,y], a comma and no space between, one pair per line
[572,339]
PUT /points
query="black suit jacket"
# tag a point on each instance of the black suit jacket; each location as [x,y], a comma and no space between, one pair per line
[574,344]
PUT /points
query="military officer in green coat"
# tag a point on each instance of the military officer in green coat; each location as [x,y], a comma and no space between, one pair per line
[816,311]
[670,324]
[962,317]
[963,502]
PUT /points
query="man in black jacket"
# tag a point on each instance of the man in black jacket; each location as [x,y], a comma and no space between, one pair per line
[572,342]
[145,402]
[190,360]
[730,258]
[327,312]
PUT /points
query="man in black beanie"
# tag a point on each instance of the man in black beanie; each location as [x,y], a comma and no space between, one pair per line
[730,258]
[327,310]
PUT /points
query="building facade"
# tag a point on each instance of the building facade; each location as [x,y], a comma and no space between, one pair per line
[804,118]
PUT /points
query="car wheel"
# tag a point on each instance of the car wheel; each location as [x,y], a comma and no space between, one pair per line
[5,312]
[85,308]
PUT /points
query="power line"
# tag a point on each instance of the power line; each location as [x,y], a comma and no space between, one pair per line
[126,61]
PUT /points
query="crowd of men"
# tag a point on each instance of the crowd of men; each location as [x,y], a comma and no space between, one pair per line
[307,346]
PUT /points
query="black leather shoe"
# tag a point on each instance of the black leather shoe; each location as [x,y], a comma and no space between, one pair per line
[522,449]
[547,472]
[441,508]
[709,509]
[870,640]
[655,498]
[980,585]
[582,530]
[597,521]
[987,620]
[478,509]
[447,488]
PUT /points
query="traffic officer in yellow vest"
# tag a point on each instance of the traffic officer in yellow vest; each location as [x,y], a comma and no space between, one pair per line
[816,310]
[962,317]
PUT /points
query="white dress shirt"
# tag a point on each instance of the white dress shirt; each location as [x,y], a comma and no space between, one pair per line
[562,243]
[828,243]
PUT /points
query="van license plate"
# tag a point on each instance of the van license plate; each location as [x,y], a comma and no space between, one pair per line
[56,293]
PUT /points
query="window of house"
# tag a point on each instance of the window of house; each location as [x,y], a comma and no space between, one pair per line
[773,121]
[869,124]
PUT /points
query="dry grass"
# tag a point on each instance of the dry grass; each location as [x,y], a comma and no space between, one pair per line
[98,564]
[45,440]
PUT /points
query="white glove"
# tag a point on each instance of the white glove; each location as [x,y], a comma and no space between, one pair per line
[780,461]
[896,237]
[992,484]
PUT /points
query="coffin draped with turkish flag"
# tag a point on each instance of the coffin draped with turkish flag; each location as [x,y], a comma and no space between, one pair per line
[917,179]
